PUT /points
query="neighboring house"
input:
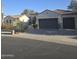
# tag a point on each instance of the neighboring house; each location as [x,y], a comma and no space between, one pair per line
[11,19]
[8,20]
[20,21]
[58,19]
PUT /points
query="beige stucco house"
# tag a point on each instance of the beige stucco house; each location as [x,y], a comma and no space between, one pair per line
[58,19]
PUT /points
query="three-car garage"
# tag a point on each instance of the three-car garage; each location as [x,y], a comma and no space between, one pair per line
[52,23]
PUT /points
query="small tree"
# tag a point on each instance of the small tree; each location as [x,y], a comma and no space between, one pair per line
[28,12]
[18,26]
[34,26]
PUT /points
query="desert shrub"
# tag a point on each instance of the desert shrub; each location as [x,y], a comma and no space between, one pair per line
[20,27]
[7,27]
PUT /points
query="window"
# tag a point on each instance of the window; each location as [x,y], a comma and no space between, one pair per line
[10,21]
[6,21]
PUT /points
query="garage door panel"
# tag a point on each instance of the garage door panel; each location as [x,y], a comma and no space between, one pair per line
[48,23]
[69,23]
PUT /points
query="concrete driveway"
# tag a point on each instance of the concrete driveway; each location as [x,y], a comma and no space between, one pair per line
[30,46]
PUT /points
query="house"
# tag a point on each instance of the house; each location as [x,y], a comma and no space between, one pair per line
[12,19]
[8,20]
[58,19]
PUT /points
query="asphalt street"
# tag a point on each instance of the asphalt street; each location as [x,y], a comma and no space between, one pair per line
[23,48]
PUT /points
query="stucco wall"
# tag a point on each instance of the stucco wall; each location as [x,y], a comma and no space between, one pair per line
[47,14]
[54,15]
[24,18]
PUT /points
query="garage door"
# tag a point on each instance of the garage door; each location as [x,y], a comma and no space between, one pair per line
[48,23]
[69,23]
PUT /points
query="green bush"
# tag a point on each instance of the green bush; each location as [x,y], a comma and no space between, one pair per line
[34,26]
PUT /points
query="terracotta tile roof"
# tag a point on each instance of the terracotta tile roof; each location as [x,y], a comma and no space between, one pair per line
[61,12]
[64,12]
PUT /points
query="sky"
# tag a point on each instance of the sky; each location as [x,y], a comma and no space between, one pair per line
[15,7]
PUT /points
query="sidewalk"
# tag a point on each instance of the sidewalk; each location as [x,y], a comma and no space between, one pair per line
[68,40]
